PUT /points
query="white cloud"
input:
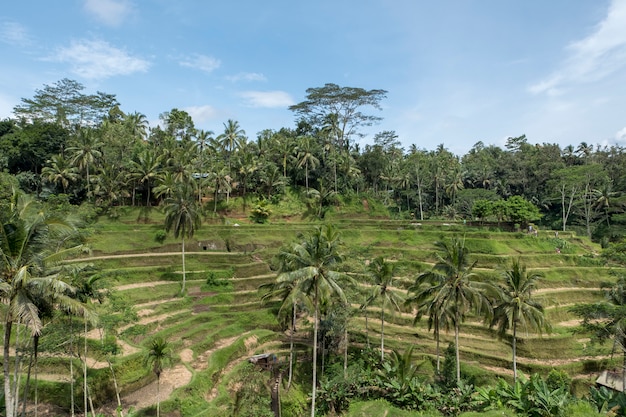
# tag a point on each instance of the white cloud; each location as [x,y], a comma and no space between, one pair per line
[268,99]
[620,136]
[109,12]
[201,114]
[593,58]
[14,33]
[202,62]
[98,60]
[246,76]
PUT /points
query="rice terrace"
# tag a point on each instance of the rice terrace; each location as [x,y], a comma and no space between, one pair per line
[221,320]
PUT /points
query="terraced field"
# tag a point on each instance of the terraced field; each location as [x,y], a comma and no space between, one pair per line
[220,322]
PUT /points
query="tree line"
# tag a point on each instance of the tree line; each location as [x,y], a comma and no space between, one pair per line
[83,145]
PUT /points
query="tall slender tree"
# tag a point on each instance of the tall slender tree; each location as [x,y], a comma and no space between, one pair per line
[312,267]
[182,216]
[516,308]
[455,290]
[85,152]
[159,356]
[306,156]
[382,273]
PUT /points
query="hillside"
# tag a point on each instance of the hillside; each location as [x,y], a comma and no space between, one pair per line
[220,322]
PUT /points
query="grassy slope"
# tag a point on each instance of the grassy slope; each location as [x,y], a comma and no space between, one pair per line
[207,317]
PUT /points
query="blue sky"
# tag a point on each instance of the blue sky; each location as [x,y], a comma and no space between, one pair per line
[456,71]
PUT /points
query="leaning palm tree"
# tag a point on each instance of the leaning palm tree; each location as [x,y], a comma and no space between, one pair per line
[311,267]
[455,291]
[382,273]
[158,357]
[31,245]
[182,216]
[516,308]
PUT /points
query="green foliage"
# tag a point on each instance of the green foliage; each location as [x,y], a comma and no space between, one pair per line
[605,399]
[557,379]
[529,397]
[448,371]
[216,279]
[261,212]
[252,394]
[160,236]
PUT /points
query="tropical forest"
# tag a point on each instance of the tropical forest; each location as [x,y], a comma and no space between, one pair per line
[167,270]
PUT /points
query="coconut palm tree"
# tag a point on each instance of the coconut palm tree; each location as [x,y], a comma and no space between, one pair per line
[158,357]
[516,308]
[382,273]
[145,169]
[427,304]
[290,297]
[455,291]
[306,157]
[311,267]
[182,216]
[233,134]
[85,152]
[31,244]
[59,171]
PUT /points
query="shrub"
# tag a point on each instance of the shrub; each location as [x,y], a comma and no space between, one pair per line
[260,213]
[160,236]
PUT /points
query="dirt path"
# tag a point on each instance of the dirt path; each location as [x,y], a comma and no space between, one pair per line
[150,254]
[171,379]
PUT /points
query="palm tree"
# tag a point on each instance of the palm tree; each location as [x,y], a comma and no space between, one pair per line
[31,245]
[311,267]
[59,172]
[606,320]
[233,133]
[515,307]
[424,291]
[137,124]
[454,291]
[145,169]
[290,297]
[306,157]
[158,357]
[86,152]
[382,274]
[203,141]
[247,164]
[182,215]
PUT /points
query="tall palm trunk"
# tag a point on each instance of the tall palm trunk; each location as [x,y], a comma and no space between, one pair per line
[72,399]
[32,362]
[8,388]
[456,342]
[85,371]
[367,333]
[158,395]
[315,328]
[436,329]
[514,351]
[184,274]
[382,332]
[293,329]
